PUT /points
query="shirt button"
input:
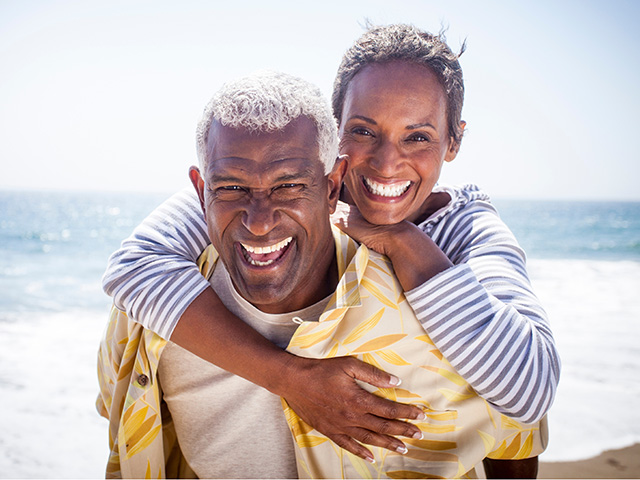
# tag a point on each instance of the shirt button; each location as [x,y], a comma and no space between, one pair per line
[143,380]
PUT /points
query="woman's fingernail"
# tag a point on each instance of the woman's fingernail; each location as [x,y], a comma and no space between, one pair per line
[418,436]
[395,381]
[421,416]
[402,450]
[371,460]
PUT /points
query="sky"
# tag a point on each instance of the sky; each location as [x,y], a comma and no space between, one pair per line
[106,95]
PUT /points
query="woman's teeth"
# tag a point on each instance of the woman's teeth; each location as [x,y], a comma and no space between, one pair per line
[394,190]
[251,253]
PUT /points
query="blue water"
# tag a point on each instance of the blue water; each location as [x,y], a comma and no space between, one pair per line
[54,245]
[584,263]
[575,230]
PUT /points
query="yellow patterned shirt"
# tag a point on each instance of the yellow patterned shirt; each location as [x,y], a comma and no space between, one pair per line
[367,317]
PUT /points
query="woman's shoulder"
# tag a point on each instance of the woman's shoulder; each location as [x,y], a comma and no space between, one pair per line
[464,199]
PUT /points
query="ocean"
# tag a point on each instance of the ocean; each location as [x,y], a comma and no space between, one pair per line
[583,259]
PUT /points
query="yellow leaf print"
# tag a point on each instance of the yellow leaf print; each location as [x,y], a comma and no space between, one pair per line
[311,339]
[144,442]
[401,392]
[392,357]
[452,376]
[509,423]
[455,396]
[140,431]
[380,343]
[488,440]
[334,350]
[442,416]
[430,456]
[360,465]
[437,429]
[375,277]
[132,421]
[333,315]
[377,293]
[499,452]
[410,474]
[364,327]
[512,449]
[425,338]
[527,447]
[436,445]
[389,393]
[308,441]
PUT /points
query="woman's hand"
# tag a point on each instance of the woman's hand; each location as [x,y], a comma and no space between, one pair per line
[324,393]
[415,257]
[376,237]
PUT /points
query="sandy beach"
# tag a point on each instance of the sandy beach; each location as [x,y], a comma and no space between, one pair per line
[622,463]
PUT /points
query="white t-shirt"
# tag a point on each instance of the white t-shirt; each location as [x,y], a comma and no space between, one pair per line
[228,427]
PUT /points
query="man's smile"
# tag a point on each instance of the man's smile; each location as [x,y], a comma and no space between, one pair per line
[263,256]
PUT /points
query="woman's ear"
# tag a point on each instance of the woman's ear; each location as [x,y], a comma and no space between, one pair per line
[198,184]
[454,147]
[335,179]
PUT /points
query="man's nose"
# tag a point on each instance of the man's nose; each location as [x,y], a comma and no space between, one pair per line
[260,216]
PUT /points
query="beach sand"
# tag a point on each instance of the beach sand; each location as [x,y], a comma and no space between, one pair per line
[622,463]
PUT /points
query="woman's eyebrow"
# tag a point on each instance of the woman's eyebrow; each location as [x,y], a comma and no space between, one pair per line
[363,118]
[419,125]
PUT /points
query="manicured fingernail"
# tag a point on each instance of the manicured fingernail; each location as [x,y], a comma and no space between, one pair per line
[418,436]
[395,381]
[421,416]
[402,450]
[371,460]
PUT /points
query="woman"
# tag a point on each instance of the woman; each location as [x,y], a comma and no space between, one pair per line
[398,99]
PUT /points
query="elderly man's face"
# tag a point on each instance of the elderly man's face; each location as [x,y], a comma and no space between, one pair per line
[267,204]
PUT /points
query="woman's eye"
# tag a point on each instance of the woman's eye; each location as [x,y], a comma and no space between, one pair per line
[361,131]
[418,137]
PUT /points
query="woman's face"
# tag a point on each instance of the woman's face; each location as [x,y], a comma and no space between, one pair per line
[394,129]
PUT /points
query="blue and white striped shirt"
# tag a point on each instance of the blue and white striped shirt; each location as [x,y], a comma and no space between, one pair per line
[481,313]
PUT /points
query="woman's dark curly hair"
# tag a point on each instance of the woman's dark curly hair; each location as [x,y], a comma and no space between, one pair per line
[405,43]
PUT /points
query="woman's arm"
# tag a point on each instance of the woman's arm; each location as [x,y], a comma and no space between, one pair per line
[474,299]
[154,278]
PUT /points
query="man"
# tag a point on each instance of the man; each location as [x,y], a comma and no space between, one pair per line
[267,184]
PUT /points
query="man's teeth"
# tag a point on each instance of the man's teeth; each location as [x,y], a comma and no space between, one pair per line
[268,249]
[386,190]
[264,250]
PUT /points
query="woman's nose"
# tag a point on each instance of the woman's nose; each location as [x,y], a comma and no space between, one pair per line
[386,159]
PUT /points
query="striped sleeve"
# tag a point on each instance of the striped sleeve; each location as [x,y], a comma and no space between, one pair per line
[153,276]
[484,318]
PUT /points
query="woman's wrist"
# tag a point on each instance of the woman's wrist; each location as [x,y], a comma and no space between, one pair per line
[415,257]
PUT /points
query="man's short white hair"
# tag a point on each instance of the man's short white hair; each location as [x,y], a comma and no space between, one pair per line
[269,101]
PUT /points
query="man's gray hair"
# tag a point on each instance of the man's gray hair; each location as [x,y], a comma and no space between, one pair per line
[268,101]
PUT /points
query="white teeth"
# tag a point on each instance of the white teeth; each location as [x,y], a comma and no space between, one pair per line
[387,190]
[261,250]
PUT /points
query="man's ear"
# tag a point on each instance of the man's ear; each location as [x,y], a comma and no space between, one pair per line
[334,180]
[198,184]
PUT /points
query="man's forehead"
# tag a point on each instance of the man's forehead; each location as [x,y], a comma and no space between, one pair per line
[228,168]
[294,148]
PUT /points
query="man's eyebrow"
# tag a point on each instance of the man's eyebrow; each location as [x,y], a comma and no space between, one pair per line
[287,177]
[217,178]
